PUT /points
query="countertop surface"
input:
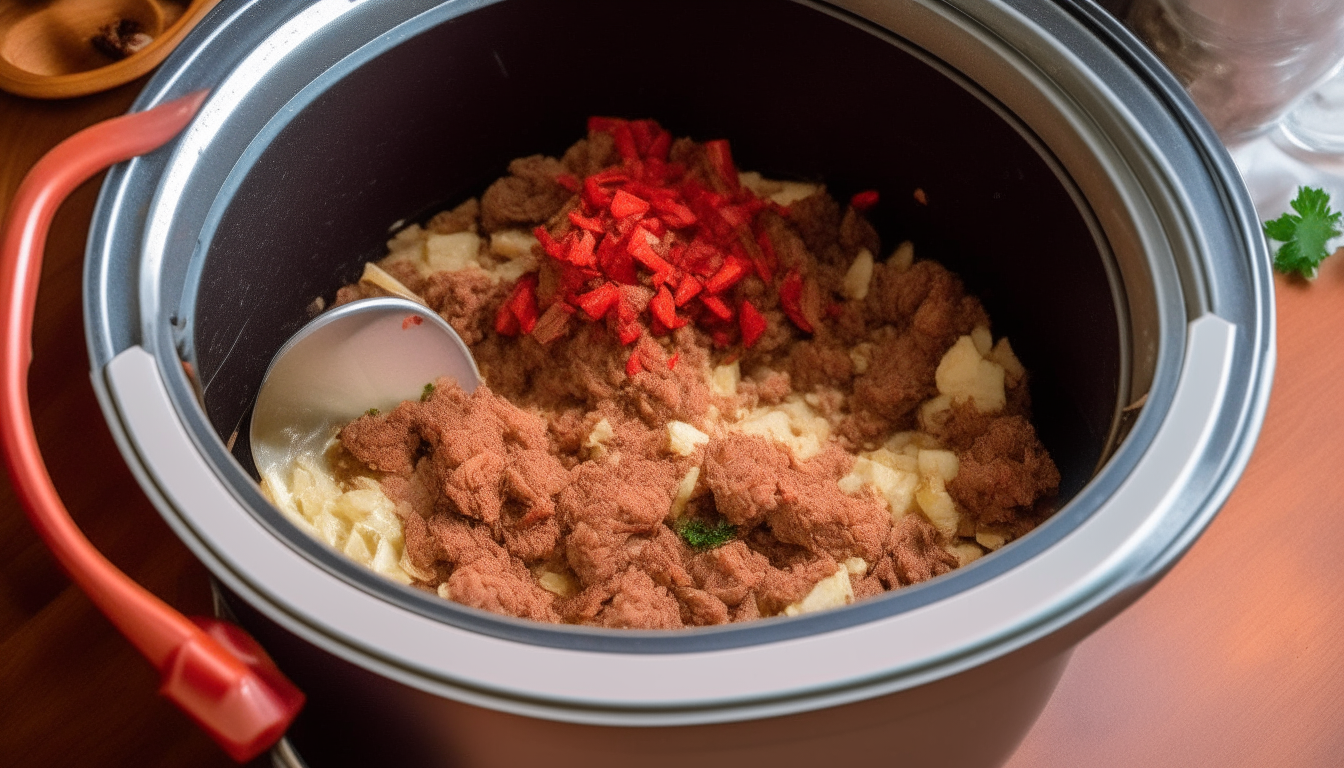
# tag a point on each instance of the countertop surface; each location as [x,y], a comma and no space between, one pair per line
[1233,659]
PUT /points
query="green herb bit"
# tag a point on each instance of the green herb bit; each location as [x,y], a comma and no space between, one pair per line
[371,412]
[1304,236]
[426,393]
[704,536]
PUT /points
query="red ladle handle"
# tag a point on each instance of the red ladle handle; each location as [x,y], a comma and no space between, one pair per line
[213,670]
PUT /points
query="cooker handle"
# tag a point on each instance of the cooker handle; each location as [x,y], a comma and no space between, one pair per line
[212,670]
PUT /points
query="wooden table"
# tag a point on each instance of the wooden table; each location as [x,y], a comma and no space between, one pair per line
[1235,659]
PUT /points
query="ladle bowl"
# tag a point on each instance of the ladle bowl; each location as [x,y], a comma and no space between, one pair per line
[363,356]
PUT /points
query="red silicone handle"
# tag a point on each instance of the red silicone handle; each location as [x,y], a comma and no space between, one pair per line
[212,670]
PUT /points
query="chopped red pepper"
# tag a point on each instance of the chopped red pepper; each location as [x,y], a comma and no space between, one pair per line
[411,320]
[522,302]
[664,310]
[721,160]
[598,302]
[718,307]
[505,323]
[791,300]
[633,364]
[753,323]
[581,250]
[590,223]
[672,361]
[864,201]
[649,239]
[625,204]
[594,196]
[599,124]
[625,142]
[687,289]
[733,270]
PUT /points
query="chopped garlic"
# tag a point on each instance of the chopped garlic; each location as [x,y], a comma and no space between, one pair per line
[779,192]
[685,489]
[990,540]
[453,253]
[982,340]
[683,439]
[902,257]
[859,276]
[724,380]
[861,355]
[938,506]
[963,374]
[1013,371]
[361,522]
[792,423]
[375,275]
[513,244]
[895,486]
[937,463]
[965,552]
[559,584]
[598,437]
[831,592]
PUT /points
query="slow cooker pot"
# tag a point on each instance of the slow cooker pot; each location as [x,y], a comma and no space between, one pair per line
[1065,176]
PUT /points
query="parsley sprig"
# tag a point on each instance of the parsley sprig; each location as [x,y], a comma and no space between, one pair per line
[704,536]
[1305,235]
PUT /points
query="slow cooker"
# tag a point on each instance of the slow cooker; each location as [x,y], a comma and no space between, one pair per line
[1063,174]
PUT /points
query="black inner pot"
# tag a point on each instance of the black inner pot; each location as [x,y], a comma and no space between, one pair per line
[802,93]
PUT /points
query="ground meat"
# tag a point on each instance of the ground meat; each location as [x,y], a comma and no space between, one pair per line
[562,462]
[1004,473]
[528,196]
[463,218]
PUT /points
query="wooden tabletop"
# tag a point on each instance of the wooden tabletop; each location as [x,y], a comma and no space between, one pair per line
[1235,659]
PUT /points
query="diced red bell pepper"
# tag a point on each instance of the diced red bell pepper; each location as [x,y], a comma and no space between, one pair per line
[591,223]
[672,361]
[721,160]
[659,147]
[664,309]
[598,302]
[675,214]
[629,333]
[643,252]
[643,132]
[633,364]
[767,252]
[721,337]
[702,258]
[718,307]
[732,271]
[505,323]
[569,181]
[615,260]
[625,142]
[687,289]
[864,201]
[594,195]
[522,302]
[599,124]
[625,204]
[753,323]
[548,244]
[791,300]
[582,248]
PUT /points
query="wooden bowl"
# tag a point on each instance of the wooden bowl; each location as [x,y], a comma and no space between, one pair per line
[48,49]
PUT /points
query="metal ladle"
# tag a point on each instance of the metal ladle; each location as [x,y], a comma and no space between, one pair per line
[369,354]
